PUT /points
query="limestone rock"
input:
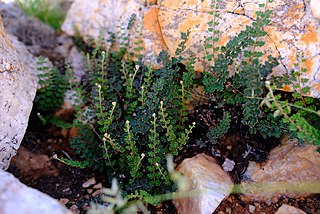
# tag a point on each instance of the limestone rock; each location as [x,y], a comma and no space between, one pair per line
[287,209]
[294,29]
[18,198]
[18,84]
[96,18]
[37,36]
[77,63]
[314,4]
[291,170]
[90,182]
[210,183]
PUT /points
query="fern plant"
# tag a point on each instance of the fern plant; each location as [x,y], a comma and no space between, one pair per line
[50,96]
[139,115]
[244,89]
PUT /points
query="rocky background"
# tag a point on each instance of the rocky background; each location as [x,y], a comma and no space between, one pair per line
[295,29]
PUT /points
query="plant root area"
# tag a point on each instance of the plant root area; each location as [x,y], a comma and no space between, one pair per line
[76,188]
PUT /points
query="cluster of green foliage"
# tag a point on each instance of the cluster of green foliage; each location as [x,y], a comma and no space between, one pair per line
[50,96]
[246,89]
[47,11]
[135,202]
[134,116]
[299,112]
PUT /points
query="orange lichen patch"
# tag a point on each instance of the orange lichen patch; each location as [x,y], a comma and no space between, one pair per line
[311,36]
[171,4]
[273,34]
[316,87]
[308,64]
[222,41]
[239,10]
[192,2]
[188,24]
[150,21]
[292,58]
[286,88]
[152,2]
[294,11]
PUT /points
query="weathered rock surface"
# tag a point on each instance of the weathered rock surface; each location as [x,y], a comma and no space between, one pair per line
[208,181]
[314,4]
[16,197]
[291,170]
[31,166]
[287,209]
[294,29]
[18,84]
[36,35]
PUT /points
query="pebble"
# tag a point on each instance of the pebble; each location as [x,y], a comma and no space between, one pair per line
[268,202]
[89,191]
[89,182]
[98,192]
[63,201]
[85,207]
[274,199]
[97,186]
[251,208]
[228,210]
[256,204]
[75,209]
[220,212]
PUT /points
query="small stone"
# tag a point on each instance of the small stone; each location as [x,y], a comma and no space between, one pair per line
[98,186]
[274,199]
[220,212]
[85,207]
[63,201]
[251,208]
[229,147]
[98,192]
[228,210]
[89,183]
[228,165]
[89,191]
[74,208]
[285,209]
[268,202]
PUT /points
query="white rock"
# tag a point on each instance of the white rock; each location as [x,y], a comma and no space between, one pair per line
[315,8]
[286,209]
[17,198]
[18,84]
[76,62]
[252,208]
[89,183]
[228,165]
[210,183]
[291,170]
